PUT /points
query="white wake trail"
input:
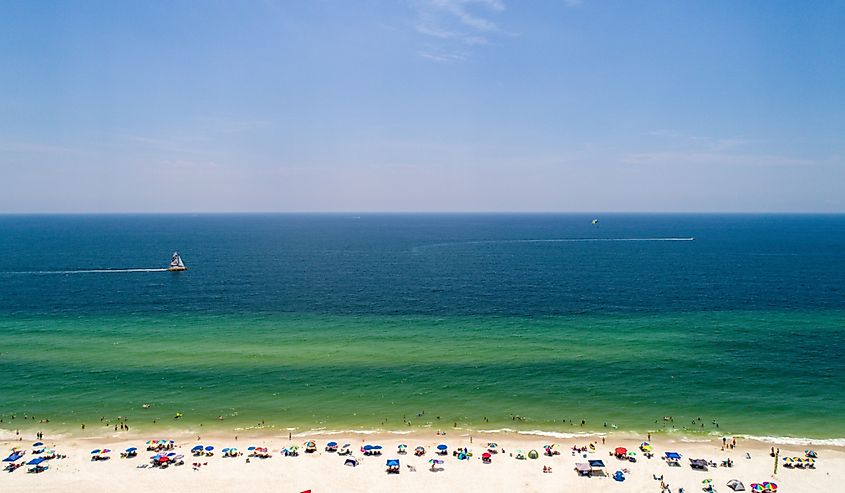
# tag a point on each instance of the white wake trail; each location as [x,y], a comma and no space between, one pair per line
[85,271]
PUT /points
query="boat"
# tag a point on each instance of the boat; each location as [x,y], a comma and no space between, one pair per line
[176,264]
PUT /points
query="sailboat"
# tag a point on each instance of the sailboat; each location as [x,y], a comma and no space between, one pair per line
[176,263]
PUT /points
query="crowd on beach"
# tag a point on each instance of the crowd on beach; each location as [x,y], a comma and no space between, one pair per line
[589,463]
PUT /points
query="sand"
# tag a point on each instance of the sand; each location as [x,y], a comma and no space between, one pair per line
[325,472]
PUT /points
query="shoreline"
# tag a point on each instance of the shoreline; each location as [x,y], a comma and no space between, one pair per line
[264,433]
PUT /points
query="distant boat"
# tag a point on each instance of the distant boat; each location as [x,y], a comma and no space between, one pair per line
[176,263]
[595,222]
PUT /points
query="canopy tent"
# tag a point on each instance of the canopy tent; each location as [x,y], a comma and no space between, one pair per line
[672,455]
[583,469]
[393,463]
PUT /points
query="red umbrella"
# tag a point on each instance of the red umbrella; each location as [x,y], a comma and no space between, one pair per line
[621,451]
[485,455]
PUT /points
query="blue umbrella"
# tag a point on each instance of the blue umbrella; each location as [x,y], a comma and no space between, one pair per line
[13,457]
[368,447]
[376,447]
[332,444]
[393,462]
[441,447]
[209,448]
[131,449]
[250,448]
[197,447]
[37,444]
[36,461]
[96,451]
[225,450]
[171,454]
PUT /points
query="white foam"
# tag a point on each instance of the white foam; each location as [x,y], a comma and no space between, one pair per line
[557,434]
[833,442]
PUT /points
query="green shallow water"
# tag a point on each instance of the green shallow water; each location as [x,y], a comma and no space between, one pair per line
[755,372]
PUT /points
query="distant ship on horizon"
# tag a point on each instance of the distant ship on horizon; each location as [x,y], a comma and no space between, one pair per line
[176,263]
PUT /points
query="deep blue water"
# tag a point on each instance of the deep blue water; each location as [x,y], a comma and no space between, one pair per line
[422,264]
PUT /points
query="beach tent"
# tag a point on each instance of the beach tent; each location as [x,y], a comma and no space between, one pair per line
[393,466]
[350,461]
[13,457]
[698,464]
[736,485]
[596,467]
[532,454]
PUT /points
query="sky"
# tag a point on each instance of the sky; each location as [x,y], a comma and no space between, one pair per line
[422,105]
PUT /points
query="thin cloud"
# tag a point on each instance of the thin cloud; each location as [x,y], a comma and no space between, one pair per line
[456,23]
[714,159]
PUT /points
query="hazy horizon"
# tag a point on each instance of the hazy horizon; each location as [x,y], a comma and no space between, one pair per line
[422,106]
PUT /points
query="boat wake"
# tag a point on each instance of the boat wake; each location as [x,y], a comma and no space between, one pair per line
[83,271]
[551,240]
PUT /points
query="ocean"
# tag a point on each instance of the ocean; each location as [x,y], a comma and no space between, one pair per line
[728,324]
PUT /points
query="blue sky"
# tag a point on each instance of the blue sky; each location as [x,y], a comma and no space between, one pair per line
[422,105]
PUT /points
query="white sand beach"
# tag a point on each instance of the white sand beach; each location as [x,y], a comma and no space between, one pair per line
[324,471]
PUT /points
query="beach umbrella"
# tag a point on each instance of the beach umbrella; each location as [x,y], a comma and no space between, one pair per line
[621,451]
[294,447]
[377,447]
[37,444]
[95,451]
[485,455]
[36,461]
[435,461]
[250,448]
[706,481]
[756,487]
[310,444]
[402,446]
[105,451]
[492,445]
[442,447]
[171,454]
[368,447]
[331,444]
[131,449]
[393,463]
[736,485]
[196,447]
[209,448]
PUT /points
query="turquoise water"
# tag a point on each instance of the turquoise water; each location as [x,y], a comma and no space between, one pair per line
[401,322]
